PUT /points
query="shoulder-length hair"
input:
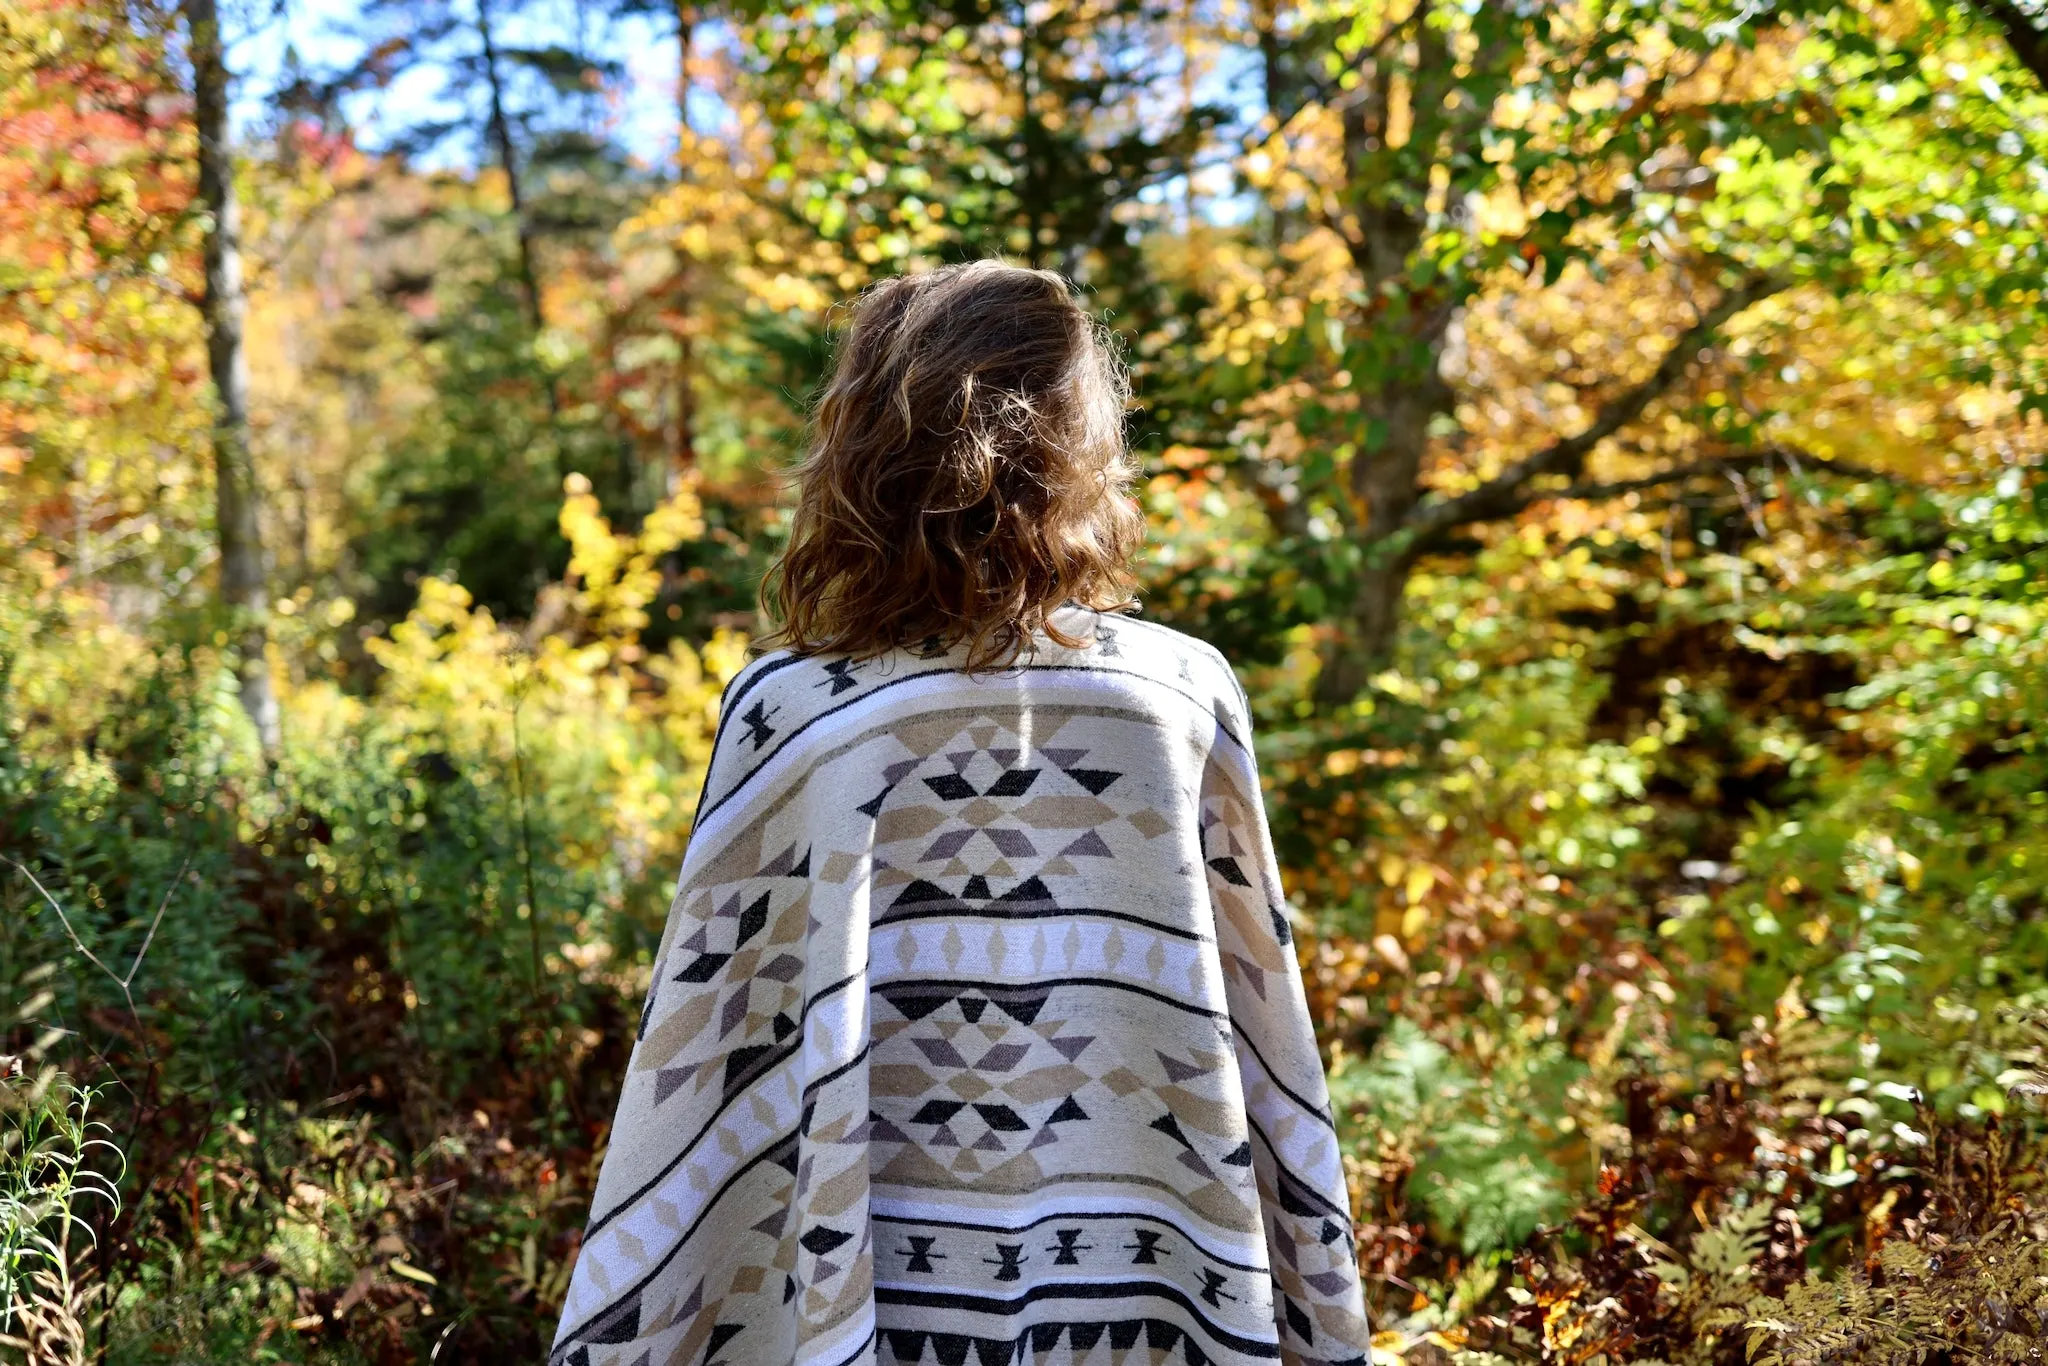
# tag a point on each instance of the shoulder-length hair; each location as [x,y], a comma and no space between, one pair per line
[966,473]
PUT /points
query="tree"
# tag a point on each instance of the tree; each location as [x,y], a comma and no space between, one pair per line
[243,587]
[1012,130]
[518,102]
[682,415]
[1448,150]
[515,93]
[499,128]
[685,448]
[98,250]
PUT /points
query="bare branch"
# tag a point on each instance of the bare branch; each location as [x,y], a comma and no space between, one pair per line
[1727,466]
[1504,493]
[1330,91]
[65,920]
[127,983]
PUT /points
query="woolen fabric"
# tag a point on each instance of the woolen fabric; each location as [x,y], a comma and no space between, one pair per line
[976,1035]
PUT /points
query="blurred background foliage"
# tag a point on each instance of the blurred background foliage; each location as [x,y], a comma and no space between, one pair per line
[1606,434]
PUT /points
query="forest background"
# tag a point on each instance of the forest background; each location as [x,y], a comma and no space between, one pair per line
[1607,435]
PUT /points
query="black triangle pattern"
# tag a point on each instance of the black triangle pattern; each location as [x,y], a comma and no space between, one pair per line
[621,1325]
[929,895]
[957,1349]
[1028,774]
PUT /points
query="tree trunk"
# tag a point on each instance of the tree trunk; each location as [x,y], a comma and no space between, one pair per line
[1384,481]
[1408,396]
[1031,189]
[1369,626]
[2023,33]
[1403,361]
[1278,88]
[686,360]
[500,129]
[242,587]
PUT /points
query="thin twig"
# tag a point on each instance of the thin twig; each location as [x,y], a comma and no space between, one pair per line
[157,920]
[127,983]
[76,942]
[526,840]
[101,1058]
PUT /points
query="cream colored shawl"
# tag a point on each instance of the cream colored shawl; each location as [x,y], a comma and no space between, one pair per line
[976,1035]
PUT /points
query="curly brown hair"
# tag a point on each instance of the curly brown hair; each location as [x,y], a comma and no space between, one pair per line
[966,473]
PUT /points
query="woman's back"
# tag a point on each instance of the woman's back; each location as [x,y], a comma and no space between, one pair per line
[976,1032]
[985,1033]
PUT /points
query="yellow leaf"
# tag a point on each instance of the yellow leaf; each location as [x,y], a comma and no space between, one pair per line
[1420,880]
[410,1272]
[1910,871]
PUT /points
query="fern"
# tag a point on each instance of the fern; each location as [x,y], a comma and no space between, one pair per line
[1965,1279]
[1468,1160]
[1986,1301]
[1947,1233]
[1716,1283]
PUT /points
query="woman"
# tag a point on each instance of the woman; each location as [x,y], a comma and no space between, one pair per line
[976,1032]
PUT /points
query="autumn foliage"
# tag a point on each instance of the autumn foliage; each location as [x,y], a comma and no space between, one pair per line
[1607,437]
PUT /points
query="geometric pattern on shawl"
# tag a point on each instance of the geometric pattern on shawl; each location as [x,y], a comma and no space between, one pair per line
[976,1036]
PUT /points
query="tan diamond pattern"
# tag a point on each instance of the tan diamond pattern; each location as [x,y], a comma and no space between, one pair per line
[976,1034]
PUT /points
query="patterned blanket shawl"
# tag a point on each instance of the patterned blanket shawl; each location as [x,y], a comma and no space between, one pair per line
[976,1036]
